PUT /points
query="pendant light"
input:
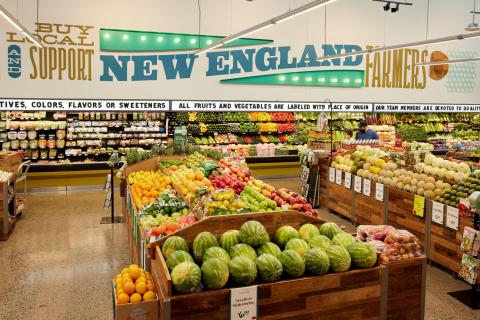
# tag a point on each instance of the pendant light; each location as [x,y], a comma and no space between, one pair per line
[14,22]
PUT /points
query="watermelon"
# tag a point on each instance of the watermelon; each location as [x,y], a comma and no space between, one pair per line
[216,252]
[293,264]
[321,242]
[308,231]
[284,234]
[253,233]
[242,270]
[269,268]
[178,257]
[229,239]
[339,258]
[317,261]
[172,244]
[269,247]
[186,277]
[329,229]
[201,243]
[363,255]
[344,239]
[243,250]
[215,273]
[298,245]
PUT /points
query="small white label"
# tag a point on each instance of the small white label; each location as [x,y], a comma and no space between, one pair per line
[453,215]
[331,175]
[338,177]
[379,191]
[367,184]
[357,184]
[285,207]
[437,212]
[243,303]
[348,180]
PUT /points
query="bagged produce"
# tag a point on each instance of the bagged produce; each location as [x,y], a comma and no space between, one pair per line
[373,232]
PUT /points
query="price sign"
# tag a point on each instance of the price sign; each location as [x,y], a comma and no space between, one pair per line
[348,180]
[338,177]
[419,205]
[437,212]
[453,215]
[243,303]
[331,174]
[367,187]
[357,184]
[379,191]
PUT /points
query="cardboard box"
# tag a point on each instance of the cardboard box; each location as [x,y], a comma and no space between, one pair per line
[10,160]
[145,310]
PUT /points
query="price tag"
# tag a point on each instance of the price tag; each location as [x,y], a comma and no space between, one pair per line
[243,303]
[419,205]
[437,212]
[357,184]
[453,215]
[338,177]
[379,191]
[348,180]
[331,175]
[367,187]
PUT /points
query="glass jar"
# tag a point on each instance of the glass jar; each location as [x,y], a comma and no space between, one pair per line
[51,141]
[60,144]
[24,144]
[34,154]
[52,153]
[33,144]
[6,146]
[32,134]
[44,154]
[42,141]
[14,145]
[60,134]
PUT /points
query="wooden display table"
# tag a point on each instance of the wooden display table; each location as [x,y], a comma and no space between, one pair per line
[367,209]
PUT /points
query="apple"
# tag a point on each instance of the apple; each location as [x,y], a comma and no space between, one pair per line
[297,206]
[302,200]
[291,200]
[307,206]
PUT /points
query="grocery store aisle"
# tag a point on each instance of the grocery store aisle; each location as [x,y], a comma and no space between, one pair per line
[59,261]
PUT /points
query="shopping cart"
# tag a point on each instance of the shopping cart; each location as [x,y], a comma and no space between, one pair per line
[22,176]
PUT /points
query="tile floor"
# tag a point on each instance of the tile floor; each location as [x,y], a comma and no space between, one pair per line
[59,261]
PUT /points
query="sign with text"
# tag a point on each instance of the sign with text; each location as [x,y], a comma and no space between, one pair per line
[357,184]
[348,180]
[367,187]
[438,212]
[426,108]
[379,189]
[243,303]
[338,177]
[419,206]
[453,216]
[331,175]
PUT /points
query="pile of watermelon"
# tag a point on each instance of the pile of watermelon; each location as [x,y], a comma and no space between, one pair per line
[245,256]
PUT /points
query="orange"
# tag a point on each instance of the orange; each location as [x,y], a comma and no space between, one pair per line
[119,291]
[133,265]
[124,271]
[149,295]
[119,283]
[199,175]
[136,297]
[150,286]
[125,280]
[141,279]
[141,287]
[129,288]
[123,298]
[134,273]
[119,276]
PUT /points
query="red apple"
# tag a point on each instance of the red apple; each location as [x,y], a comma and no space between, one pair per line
[307,206]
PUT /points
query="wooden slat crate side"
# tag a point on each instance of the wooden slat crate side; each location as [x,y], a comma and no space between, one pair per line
[340,199]
[405,289]
[165,281]
[368,210]
[445,252]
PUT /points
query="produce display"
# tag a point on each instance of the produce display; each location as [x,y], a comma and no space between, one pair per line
[134,285]
[145,186]
[246,256]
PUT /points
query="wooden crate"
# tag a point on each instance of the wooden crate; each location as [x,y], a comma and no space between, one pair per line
[400,213]
[340,199]
[406,289]
[354,294]
[368,210]
[323,190]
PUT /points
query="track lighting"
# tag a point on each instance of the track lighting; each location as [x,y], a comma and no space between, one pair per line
[397,6]
[389,5]
[386,7]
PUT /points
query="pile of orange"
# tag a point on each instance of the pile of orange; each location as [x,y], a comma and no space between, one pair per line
[133,285]
[145,186]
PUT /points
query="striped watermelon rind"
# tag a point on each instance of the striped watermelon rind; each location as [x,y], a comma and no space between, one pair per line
[308,231]
[178,257]
[218,253]
[317,261]
[340,259]
[215,273]
[329,229]
[363,255]
[186,277]
[293,264]
[321,242]
[270,248]
[269,268]
[243,270]
[253,233]
[284,234]
[173,244]
[229,239]
[344,239]
[299,245]
[243,250]
[201,243]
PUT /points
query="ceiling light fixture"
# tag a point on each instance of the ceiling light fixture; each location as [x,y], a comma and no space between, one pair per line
[283,17]
[4,13]
[389,5]
[473,26]
[442,62]
[402,46]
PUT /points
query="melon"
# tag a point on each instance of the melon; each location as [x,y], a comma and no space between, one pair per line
[340,259]
[269,268]
[293,264]
[284,234]
[298,245]
[229,239]
[270,248]
[172,244]
[344,239]
[243,270]
[215,273]
[317,261]
[216,253]
[201,243]
[178,257]
[329,229]
[253,233]
[308,231]
[243,250]
[186,277]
